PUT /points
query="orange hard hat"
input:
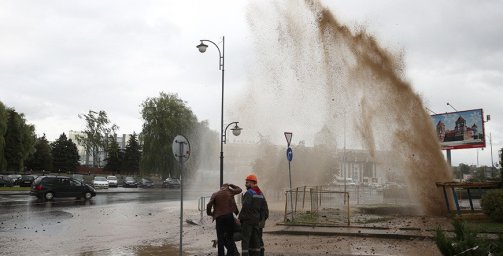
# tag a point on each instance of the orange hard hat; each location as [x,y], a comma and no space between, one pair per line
[251,177]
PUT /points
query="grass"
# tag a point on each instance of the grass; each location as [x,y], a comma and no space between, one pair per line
[306,218]
[15,188]
[485,226]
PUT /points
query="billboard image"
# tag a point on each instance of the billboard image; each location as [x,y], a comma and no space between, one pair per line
[463,129]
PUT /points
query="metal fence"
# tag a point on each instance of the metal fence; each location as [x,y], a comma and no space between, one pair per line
[317,205]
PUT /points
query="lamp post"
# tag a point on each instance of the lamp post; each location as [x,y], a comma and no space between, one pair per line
[202,48]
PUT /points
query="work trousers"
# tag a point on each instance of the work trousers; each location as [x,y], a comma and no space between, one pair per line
[261,242]
[225,226]
[250,239]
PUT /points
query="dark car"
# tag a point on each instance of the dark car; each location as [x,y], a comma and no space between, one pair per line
[27,180]
[15,178]
[48,187]
[5,181]
[146,183]
[130,182]
[171,183]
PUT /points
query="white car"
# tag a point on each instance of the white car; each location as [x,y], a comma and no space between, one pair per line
[100,182]
[112,181]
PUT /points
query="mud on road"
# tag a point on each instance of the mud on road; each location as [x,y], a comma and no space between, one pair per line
[153,229]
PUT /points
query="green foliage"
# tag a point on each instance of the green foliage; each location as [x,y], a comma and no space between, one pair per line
[132,156]
[115,155]
[465,169]
[466,242]
[164,117]
[492,204]
[19,141]
[204,144]
[42,158]
[3,131]
[501,164]
[98,127]
[65,154]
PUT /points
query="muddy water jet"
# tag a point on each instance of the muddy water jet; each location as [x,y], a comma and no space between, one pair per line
[327,75]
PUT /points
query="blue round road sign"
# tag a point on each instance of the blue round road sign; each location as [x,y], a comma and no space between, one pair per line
[289,154]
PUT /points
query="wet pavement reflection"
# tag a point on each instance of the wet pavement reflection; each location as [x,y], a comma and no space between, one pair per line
[109,224]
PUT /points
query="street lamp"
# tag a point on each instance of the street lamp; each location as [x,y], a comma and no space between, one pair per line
[236,130]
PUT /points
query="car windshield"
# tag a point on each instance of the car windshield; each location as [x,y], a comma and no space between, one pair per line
[111,178]
[129,179]
[28,178]
[99,178]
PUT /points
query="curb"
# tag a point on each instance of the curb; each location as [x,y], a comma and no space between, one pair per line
[351,234]
[353,231]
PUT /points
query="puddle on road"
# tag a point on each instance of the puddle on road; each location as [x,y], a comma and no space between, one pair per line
[143,250]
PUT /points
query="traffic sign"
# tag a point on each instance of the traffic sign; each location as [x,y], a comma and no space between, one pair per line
[289,154]
[181,148]
[288,137]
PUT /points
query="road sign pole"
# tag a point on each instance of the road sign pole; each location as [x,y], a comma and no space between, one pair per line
[181,197]
[291,191]
[181,150]
[289,157]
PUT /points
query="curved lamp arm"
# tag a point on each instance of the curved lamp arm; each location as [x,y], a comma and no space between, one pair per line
[236,131]
[202,48]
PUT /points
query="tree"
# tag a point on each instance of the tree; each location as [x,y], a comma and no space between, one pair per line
[65,154]
[501,163]
[3,131]
[98,127]
[42,158]
[19,141]
[164,118]
[115,155]
[204,147]
[132,156]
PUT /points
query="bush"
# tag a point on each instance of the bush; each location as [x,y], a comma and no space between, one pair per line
[465,241]
[492,204]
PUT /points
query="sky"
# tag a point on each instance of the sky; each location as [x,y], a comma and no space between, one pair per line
[59,59]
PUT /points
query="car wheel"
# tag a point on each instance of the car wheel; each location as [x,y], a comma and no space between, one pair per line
[88,195]
[49,196]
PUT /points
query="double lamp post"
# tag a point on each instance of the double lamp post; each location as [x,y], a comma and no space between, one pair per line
[236,130]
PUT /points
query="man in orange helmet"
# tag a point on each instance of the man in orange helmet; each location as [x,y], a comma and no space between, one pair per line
[253,213]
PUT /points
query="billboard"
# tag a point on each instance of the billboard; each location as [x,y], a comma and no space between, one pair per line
[463,129]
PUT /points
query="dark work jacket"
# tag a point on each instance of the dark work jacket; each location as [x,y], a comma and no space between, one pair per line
[254,208]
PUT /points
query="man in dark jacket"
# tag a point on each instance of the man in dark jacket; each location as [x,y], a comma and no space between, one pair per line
[253,212]
[223,204]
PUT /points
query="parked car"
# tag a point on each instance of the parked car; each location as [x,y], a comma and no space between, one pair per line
[15,178]
[146,183]
[78,177]
[27,180]
[130,182]
[5,181]
[100,182]
[171,183]
[112,181]
[48,187]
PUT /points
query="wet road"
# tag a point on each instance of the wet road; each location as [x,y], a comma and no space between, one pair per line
[114,222]
[9,203]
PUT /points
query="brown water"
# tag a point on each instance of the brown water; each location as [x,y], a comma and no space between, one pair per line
[311,71]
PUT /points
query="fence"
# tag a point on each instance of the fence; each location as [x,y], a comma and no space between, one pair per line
[201,206]
[317,205]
